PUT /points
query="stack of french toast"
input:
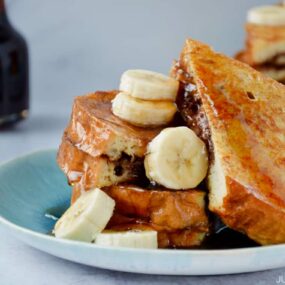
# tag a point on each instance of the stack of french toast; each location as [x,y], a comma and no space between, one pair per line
[101,150]
[149,162]
[265,41]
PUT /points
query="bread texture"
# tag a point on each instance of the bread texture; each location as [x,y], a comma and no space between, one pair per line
[264,43]
[100,171]
[178,216]
[95,130]
[265,50]
[273,72]
[245,116]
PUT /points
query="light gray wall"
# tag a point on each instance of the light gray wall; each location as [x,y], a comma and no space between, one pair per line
[77,46]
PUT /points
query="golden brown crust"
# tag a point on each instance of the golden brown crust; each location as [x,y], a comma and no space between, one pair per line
[246,116]
[169,210]
[70,160]
[260,40]
[96,130]
[272,68]
[179,217]
[242,210]
[91,172]
[265,50]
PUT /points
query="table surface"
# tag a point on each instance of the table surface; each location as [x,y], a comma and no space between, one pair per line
[57,75]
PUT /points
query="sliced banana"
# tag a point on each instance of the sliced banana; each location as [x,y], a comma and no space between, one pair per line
[267,15]
[143,113]
[134,239]
[149,85]
[176,159]
[87,217]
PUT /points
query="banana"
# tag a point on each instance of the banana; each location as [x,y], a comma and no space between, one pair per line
[149,85]
[267,15]
[176,159]
[87,217]
[141,112]
[134,239]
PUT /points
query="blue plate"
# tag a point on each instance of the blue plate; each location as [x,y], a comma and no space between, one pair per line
[33,185]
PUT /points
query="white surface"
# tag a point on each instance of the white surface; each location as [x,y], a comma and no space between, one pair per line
[80,46]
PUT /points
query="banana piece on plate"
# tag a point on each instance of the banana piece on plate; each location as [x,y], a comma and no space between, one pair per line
[87,217]
[143,113]
[149,85]
[267,15]
[133,239]
[176,159]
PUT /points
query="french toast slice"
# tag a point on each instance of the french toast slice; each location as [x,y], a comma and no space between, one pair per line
[96,130]
[265,50]
[179,217]
[264,44]
[275,68]
[241,114]
[95,171]
[171,210]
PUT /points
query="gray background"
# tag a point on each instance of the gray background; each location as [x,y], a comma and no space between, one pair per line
[78,46]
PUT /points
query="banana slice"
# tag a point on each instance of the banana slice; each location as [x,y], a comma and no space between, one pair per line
[87,217]
[149,85]
[176,159]
[267,15]
[143,113]
[134,239]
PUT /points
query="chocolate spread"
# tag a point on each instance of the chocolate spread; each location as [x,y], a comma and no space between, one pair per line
[190,107]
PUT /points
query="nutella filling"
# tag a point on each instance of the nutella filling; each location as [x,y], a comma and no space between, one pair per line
[190,106]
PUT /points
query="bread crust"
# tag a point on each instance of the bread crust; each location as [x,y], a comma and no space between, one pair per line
[179,217]
[263,43]
[246,117]
[91,172]
[96,130]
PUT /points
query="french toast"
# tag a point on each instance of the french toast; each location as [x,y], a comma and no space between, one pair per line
[265,41]
[265,44]
[240,113]
[265,50]
[273,71]
[179,217]
[274,68]
[99,149]
[171,210]
[234,143]
[98,171]
[95,130]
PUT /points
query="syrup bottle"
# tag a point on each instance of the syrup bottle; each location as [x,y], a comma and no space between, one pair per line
[14,72]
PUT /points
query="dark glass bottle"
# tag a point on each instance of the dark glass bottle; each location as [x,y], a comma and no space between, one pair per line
[14,73]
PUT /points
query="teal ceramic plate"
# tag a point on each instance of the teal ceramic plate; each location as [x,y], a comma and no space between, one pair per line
[32,186]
